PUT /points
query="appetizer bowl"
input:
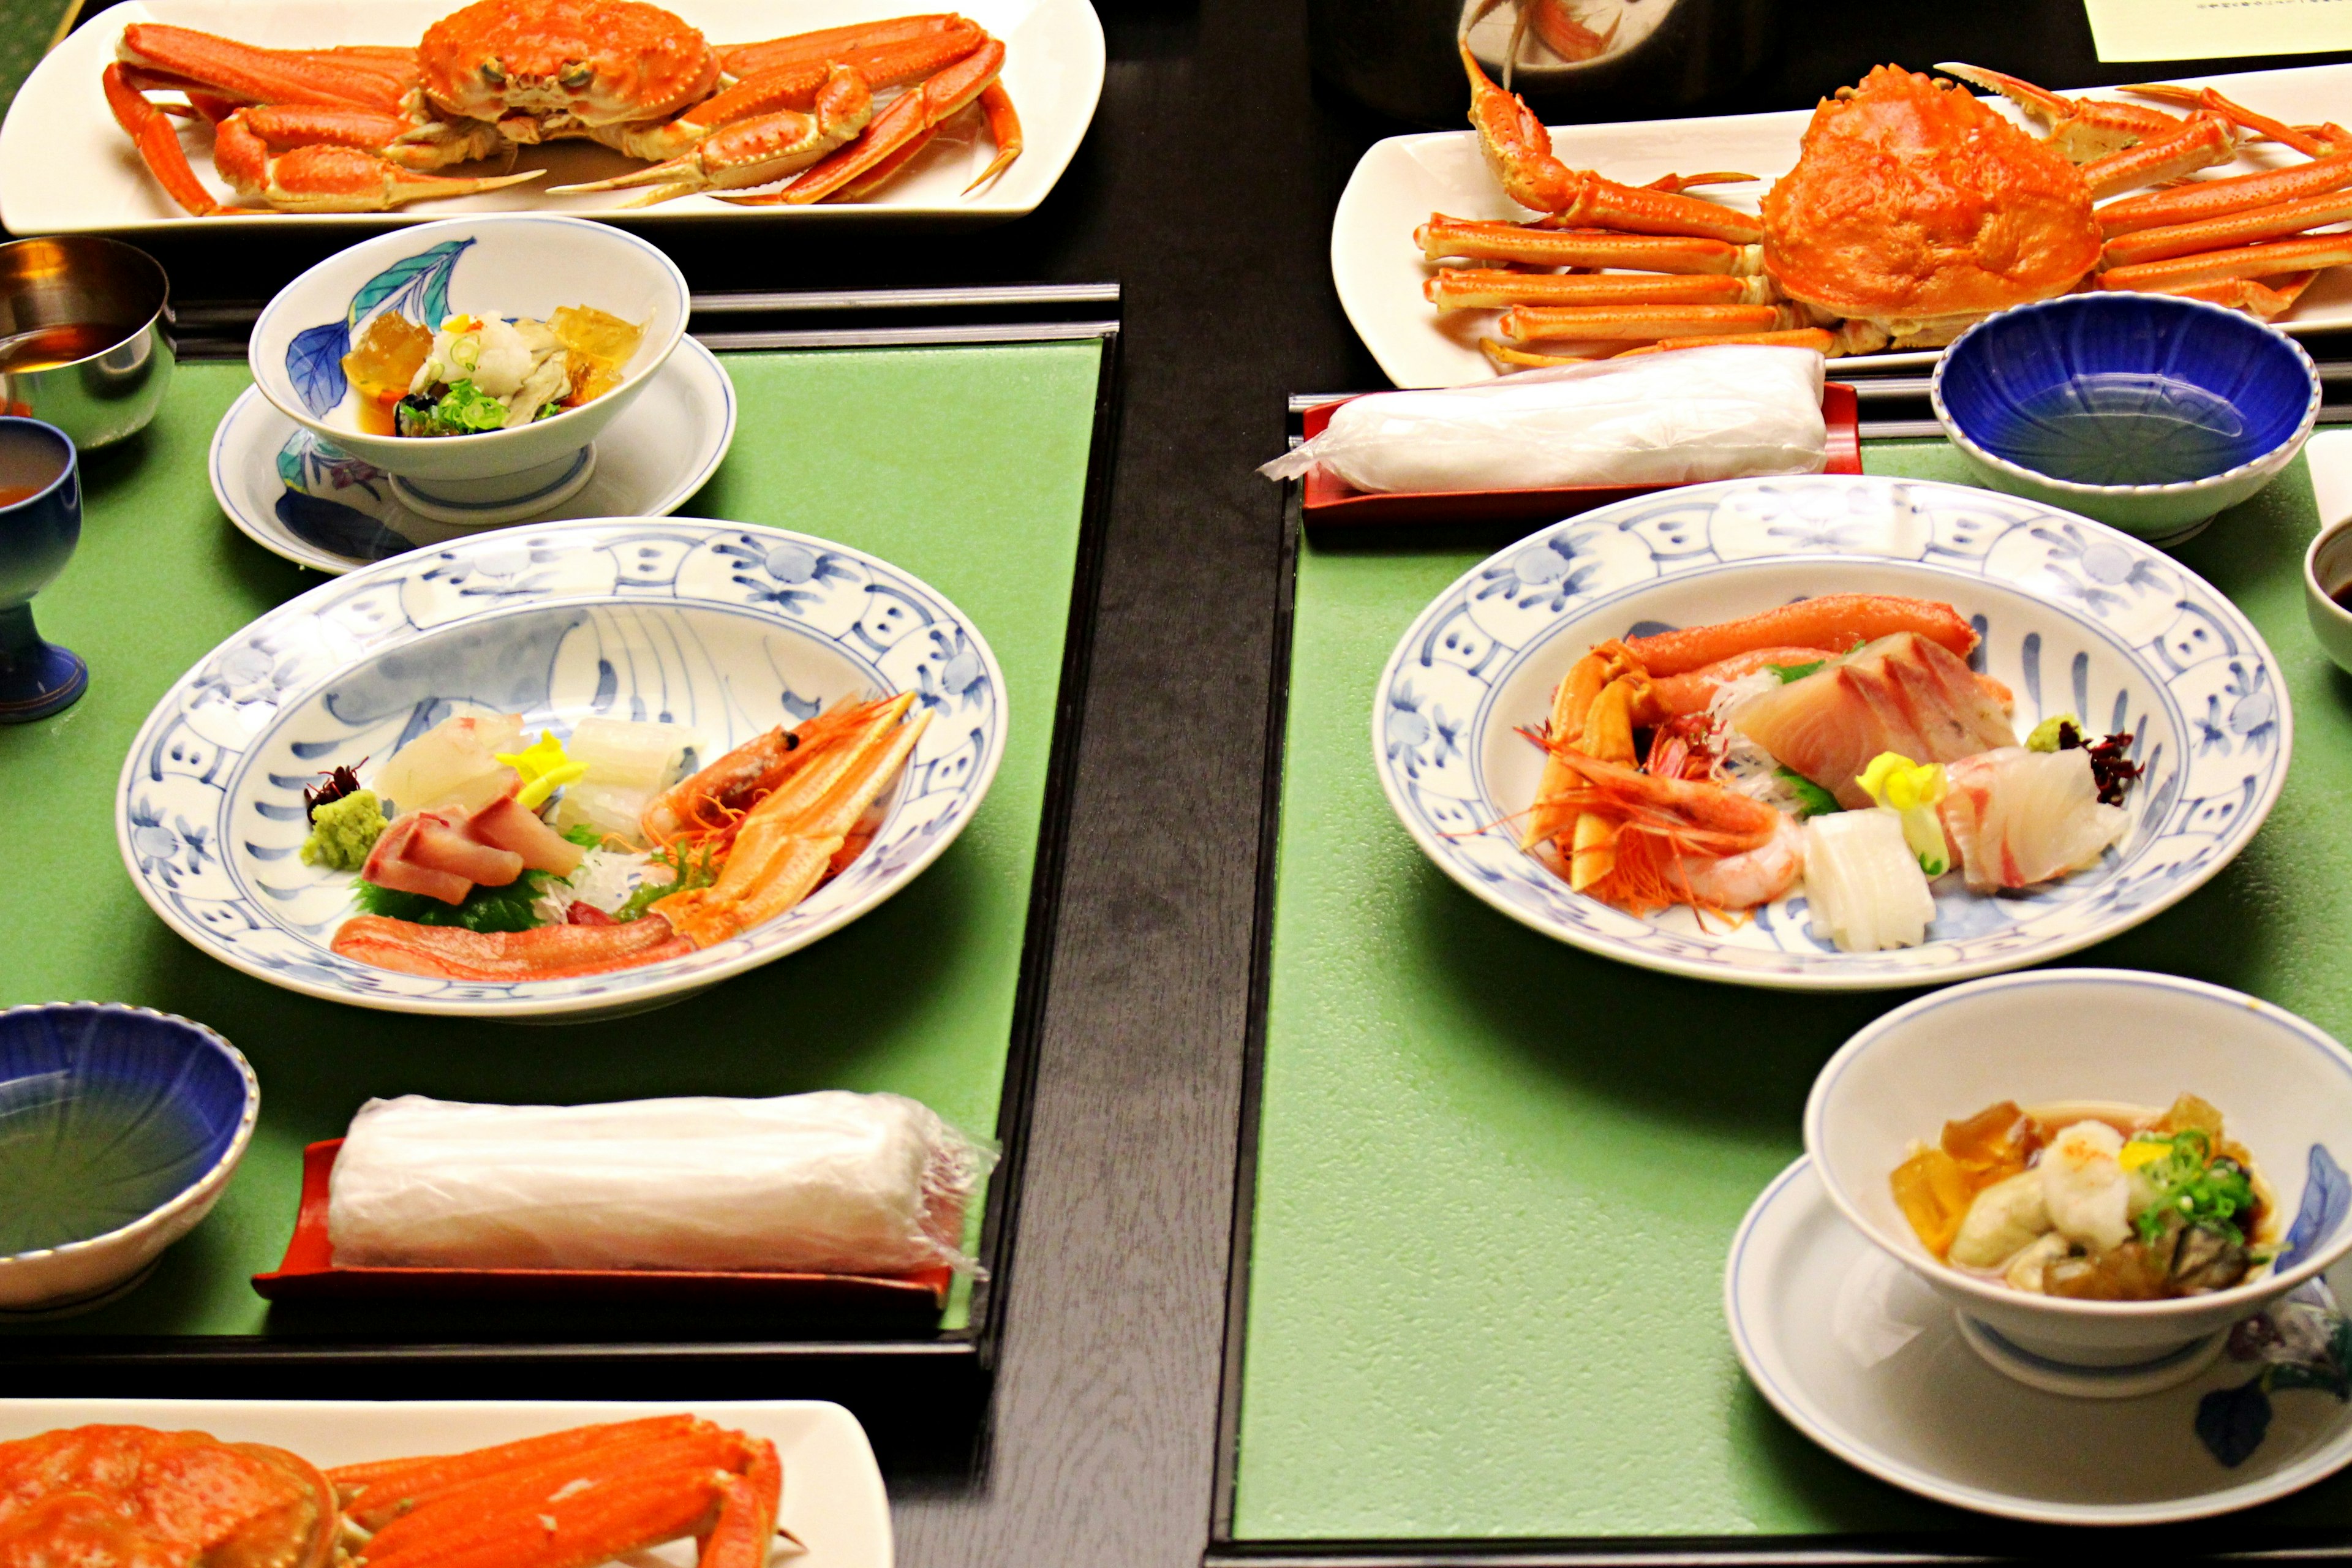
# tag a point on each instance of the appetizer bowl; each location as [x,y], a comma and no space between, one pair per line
[505,265]
[120,1127]
[2148,412]
[725,629]
[2123,1037]
[2073,617]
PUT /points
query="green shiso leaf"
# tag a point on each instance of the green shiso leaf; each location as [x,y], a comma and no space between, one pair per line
[484,908]
[1812,800]
[1789,672]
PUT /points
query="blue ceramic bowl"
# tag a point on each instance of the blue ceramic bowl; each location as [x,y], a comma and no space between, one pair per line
[119,1128]
[2149,413]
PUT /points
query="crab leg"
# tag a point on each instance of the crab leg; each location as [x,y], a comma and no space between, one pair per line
[1490,289]
[1821,340]
[543,953]
[397,1522]
[424,1472]
[1518,150]
[183,56]
[2245,261]
[2240,228]
[1004,128]
[1641,323]
[2220,198]
[827,46]
[2262,301]
[2204,142]
[1442,237]
[793,85]
[2081,129]
[759,150]
[594,1525]
[1507,359]
[327,178]
[158,141]
[746,1528]
[913,113]
[2311,141]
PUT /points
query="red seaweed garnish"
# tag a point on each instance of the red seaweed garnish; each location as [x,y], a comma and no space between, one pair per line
[2111,770]
[340,782]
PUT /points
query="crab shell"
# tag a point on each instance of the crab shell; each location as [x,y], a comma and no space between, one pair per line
[1917,208]
[563,68]
[131,1497]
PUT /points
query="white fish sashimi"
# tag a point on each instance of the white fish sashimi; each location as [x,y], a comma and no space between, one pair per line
[1864,884]
[2016,817]
[1903,693]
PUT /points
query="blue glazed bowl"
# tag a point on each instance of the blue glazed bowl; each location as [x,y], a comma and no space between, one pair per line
[2149,413]
[119,1128]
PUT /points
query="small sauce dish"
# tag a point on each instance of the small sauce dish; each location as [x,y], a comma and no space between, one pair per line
[2149,413]
[2327,583]
[120,1128]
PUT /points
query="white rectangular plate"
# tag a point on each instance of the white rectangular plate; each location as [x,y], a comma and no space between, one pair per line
[834,1502]
[1399,182]
[66,167]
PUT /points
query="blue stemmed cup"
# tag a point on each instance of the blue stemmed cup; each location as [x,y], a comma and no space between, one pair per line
[40,523]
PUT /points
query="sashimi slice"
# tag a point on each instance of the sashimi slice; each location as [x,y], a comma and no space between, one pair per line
[2016,817]
[1833,623]
[1903,693]
[506,824]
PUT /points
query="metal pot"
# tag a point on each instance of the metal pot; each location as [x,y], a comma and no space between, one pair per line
[1643,58]
[89,318]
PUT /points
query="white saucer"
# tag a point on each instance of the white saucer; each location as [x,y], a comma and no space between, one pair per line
[1867,1362]
[321,510]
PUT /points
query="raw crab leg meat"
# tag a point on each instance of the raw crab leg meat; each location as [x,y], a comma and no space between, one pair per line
[1834,623]
[784,845]
[546,952]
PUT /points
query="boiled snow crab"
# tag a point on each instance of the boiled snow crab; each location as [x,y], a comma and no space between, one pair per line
[1914,210]
[364,129]
[131,1497]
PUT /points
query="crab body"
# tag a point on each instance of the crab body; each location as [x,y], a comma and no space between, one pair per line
[1917,209]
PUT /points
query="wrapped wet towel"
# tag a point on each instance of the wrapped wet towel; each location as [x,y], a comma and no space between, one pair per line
[830,1183]
[1731,411]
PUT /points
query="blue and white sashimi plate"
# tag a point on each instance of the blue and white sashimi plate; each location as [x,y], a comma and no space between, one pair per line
[2074,616]
[725,629]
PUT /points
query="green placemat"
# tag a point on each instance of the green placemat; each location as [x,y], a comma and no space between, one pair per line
[27,29]
[1497,1175]
[966,466]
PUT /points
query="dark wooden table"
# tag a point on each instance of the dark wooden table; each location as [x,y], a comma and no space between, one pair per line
[1205,188]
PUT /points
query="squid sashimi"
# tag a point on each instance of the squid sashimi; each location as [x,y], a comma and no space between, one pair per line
[1834,623]
[1905,693]
[2016,817]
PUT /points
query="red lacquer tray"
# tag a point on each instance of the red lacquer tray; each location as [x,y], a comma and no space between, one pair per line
[308,1273]
[1332,501]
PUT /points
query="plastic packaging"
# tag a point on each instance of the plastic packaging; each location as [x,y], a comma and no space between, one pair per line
[1733,411]
[831,1183]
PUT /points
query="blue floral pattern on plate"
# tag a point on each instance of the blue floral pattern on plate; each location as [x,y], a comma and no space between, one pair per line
[2074,616]
[723,627]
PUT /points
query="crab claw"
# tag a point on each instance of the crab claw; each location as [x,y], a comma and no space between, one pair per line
[911,117]
[756,151]
[325,178]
